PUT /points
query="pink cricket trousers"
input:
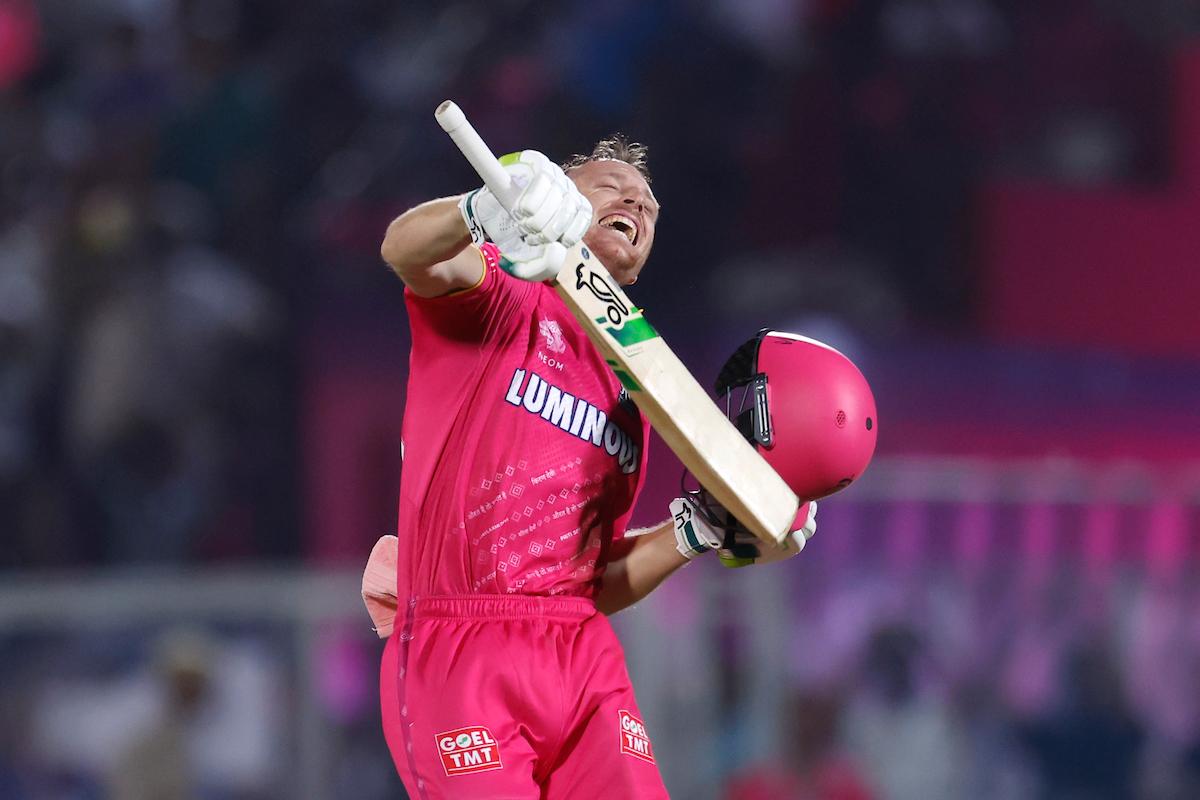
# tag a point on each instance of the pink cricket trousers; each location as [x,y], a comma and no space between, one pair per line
[512,698]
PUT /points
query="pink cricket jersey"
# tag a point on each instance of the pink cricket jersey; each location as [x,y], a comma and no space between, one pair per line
[522,455]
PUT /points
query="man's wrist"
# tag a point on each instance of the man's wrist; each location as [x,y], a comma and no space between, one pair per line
[466,207]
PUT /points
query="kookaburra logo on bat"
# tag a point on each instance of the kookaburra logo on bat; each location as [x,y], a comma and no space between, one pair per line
[594,282]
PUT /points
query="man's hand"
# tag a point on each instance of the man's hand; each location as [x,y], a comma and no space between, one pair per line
[549,215]
[735,546]
[550,207]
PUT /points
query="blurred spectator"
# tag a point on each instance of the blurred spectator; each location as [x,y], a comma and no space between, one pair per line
[1090,747]
[904,734]
[157,764]
[994,767]
[27,340]
[206,708]
[156,357]
[814,766]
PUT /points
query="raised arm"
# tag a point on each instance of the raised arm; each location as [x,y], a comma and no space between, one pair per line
[429,248]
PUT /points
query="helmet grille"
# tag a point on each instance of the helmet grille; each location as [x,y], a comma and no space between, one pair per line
[741,367]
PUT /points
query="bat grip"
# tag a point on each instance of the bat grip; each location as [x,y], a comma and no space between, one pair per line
[478,154]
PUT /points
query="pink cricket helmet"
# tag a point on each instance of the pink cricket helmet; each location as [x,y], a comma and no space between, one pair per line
[806,408]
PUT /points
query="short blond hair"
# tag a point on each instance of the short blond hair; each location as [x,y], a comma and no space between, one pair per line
[617,147]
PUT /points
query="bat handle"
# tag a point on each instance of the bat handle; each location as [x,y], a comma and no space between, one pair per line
[478,154]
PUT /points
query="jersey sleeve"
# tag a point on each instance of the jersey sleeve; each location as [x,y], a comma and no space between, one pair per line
[478,313]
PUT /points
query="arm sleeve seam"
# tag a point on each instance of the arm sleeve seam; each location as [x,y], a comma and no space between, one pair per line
[478,283]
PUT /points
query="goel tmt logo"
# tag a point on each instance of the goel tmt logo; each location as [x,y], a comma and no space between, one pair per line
[635,741]
[469,749]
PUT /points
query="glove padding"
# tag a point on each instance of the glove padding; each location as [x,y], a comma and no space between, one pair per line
[736,546]
[549,216]
[550,207]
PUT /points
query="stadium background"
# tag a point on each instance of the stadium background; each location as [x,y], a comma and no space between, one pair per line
[991,205]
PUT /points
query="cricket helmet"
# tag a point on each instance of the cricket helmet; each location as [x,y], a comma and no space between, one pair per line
[805,407]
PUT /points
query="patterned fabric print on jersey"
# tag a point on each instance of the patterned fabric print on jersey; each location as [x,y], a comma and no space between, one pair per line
[573,480]
[535,469]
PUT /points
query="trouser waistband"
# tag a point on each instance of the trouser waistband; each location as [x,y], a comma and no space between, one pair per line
[502,606]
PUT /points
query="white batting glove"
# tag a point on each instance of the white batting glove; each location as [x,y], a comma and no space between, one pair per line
[549,216]
[693,535]
[489,221]
[550,207]
[735,546]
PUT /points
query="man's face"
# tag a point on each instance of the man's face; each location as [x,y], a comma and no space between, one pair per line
[625,213]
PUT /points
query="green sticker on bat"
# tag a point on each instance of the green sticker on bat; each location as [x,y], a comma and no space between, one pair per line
[635,329]
[624,377]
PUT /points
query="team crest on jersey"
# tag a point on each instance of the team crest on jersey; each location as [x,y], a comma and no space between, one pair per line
[635,740]
[554,335]
[467,750]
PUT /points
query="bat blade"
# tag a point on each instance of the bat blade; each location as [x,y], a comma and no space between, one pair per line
[677,406]
[682,412]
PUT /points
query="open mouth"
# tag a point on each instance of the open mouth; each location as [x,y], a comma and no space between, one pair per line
[622,225]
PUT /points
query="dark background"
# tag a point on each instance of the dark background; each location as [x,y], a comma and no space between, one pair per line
[990,205]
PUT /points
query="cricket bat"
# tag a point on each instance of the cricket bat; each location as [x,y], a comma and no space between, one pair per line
[676,405]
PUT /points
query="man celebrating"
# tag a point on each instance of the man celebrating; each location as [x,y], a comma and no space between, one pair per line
[501,679]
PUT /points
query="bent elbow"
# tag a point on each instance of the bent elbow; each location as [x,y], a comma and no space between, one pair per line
[389,248]
[392,250]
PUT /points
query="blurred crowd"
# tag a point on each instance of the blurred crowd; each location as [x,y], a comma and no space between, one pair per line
[146,411]
[895,727]
[927,684]
[190,190]
[1008,651]
[187,711]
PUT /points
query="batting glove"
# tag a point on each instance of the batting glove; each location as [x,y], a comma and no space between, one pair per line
[550,207]
[735,546]
[548,216]
[693,536]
